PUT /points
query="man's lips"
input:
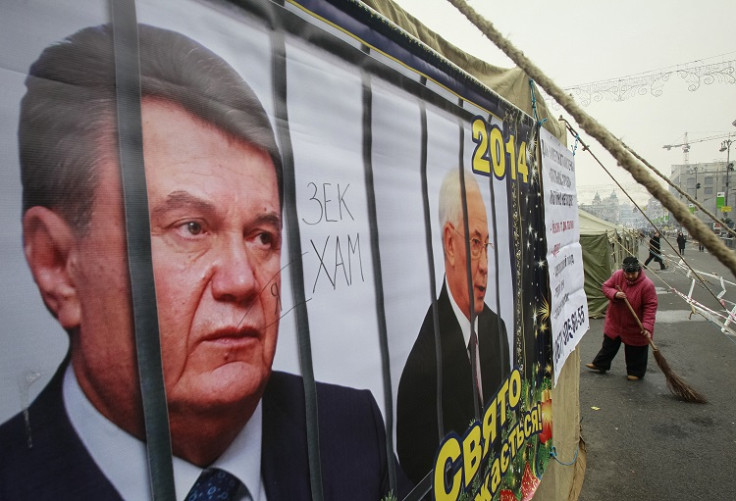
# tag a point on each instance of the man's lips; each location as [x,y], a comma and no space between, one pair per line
[233,335]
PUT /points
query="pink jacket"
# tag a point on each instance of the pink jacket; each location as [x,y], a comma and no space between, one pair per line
[619,320]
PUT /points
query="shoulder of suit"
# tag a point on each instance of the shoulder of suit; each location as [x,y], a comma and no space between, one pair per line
[284,384]
[13,435]
[489,314]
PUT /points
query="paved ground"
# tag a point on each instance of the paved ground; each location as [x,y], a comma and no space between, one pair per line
[642,443]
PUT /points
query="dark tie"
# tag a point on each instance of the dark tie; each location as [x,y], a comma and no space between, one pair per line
[475,364]
[214,484]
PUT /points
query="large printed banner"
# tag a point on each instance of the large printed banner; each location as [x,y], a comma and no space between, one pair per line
[569,304]
[339,240]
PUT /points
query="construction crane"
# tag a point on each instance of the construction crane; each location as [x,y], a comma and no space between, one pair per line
[686,144]
[686,161]
[685,149]
[686,155]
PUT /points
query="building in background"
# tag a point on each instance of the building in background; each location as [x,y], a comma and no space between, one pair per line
[622,213]
[708,183]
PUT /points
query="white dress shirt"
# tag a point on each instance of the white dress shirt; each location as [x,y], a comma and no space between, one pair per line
[462,320]
[123,459]
[464,323]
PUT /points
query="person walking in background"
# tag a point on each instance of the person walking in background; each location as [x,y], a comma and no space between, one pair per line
[681,242]
[655,251]
[629,283]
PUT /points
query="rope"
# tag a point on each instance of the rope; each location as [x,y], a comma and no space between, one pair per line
[534,104]
[695,227]
[553,454]
[695,273]
[694,305]
[575,146]
[699,278]
[690,199]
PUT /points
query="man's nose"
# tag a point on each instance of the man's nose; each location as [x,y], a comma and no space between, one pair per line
[234,277]
[483,261]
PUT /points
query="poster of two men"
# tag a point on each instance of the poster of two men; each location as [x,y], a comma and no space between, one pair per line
[313,214]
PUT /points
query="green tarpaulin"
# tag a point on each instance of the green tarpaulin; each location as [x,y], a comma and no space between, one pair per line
[605,245]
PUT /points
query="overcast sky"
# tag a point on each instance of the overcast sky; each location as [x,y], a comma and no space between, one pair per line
[576,42]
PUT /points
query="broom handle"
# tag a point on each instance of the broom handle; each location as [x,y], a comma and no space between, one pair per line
[631,309]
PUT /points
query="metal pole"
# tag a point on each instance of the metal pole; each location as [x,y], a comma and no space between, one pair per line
[728,168]
[726,146]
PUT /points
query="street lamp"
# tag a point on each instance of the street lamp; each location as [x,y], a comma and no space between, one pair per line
[726,146]
[685,153]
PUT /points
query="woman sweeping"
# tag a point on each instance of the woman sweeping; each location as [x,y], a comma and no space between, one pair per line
[620,325]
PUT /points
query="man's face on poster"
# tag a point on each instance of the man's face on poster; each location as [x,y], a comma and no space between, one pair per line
[216,239]
[479,243]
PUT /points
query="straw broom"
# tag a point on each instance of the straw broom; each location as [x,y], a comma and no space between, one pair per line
[676,385]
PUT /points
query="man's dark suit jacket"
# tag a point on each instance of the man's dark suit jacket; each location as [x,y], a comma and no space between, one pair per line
[417,427]
[352,448]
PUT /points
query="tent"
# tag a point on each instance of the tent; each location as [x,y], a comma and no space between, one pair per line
[605,245]
[559,482]
[515,87]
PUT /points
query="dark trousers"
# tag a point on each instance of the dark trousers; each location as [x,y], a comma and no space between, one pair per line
[636,356]
[657,258]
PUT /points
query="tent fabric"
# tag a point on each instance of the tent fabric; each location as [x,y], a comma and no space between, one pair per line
[597,267]
[605,245]
[559,482]
[512,84]
[590,224]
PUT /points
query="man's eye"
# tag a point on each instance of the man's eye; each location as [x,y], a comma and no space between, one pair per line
[190,229]
[194,228]
[265,239]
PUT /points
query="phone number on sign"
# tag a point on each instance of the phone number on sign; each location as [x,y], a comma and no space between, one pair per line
[569,328]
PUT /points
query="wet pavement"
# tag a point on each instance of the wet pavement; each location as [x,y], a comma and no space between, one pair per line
[644,444]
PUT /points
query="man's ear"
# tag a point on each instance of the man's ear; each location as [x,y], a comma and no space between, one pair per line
[450,242]
[48,243]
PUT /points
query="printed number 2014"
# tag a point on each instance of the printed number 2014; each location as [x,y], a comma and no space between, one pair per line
[492,153]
